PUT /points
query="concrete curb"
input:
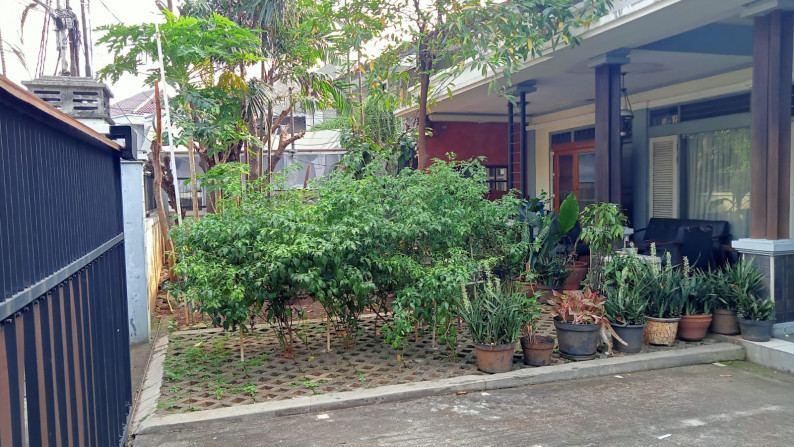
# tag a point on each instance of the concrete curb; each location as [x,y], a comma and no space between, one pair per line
[528,376]
[775,354]
[150,391]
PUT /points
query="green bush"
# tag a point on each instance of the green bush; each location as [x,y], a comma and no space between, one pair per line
[349,242]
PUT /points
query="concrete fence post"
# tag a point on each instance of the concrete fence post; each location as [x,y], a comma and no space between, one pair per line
[132,194]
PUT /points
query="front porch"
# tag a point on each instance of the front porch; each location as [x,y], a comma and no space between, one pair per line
[694,150]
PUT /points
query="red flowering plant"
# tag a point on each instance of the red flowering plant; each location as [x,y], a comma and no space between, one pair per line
[579,307]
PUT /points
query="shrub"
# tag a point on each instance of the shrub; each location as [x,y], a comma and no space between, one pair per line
[356,237]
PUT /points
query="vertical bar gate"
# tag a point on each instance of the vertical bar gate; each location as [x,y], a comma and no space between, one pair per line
[64,351]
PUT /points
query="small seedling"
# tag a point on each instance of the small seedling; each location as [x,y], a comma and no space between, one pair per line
[250,389]
[219,392]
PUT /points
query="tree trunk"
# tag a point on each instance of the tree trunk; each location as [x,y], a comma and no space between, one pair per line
[252,154]
[193,187]
[275,157]
[157,167]
[282,145]
[269,143]
[421,125]
[209,163]
[261,150]
[168,183]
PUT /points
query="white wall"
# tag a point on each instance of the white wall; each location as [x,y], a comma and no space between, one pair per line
[154,257]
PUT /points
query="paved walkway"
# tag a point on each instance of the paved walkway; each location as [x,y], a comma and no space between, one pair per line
[202,369]
[736,405]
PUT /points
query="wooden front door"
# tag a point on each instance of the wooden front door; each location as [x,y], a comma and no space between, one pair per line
[574,172]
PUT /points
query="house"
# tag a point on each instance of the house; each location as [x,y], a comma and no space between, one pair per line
[701,131]
[317,154]
[320,149]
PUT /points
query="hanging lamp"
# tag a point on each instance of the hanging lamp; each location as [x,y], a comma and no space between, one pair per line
[626,114]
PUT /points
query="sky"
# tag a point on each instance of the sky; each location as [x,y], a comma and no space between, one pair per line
[102,12]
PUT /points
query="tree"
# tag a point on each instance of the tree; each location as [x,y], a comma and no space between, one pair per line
[294,41]
[442,39]
[200,57]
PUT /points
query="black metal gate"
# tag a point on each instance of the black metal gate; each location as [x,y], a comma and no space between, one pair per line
[64,344]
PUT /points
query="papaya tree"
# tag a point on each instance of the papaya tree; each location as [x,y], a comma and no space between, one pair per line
[200,58]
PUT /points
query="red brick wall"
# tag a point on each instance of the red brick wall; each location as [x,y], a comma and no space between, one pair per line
[469,140]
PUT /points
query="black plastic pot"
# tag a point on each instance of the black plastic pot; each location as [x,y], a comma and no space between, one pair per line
[724,322]
[577,341]
[756,330]
[631,334]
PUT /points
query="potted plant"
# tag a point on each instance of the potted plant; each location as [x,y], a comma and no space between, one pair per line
[665,304]
[546,269]
[756,318]
[725,284]
[754,309]
[494,316]
[602,227]
[578,320]
[537,349]
[696,291]
[627,299]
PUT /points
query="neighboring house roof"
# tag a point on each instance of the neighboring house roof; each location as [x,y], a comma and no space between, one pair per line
[139,104]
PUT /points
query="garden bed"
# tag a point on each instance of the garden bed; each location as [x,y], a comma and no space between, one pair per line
[202,369]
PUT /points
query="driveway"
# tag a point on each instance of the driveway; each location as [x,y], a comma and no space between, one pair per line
[739,404]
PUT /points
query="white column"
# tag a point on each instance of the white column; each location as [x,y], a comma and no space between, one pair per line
[132,195]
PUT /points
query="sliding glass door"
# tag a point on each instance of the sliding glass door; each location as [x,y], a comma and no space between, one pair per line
[718,177]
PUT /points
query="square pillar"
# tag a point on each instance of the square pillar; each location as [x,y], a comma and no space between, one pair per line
[769,246]
[771,126]
[775,259]
[521,89]
[132,195]
[608,150]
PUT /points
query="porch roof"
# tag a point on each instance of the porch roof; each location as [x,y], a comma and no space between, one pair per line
[668,42]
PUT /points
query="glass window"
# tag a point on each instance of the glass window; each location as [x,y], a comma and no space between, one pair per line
[718,173]
[497,178]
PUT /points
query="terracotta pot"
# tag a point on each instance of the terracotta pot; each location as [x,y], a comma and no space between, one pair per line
[693,327]
[631,334]
[578,271]
[577,341]
[660,331]
[537,353]
[495,358]
[724,322]
[756,330]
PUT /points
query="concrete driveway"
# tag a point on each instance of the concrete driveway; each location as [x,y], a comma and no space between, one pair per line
[740,404]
